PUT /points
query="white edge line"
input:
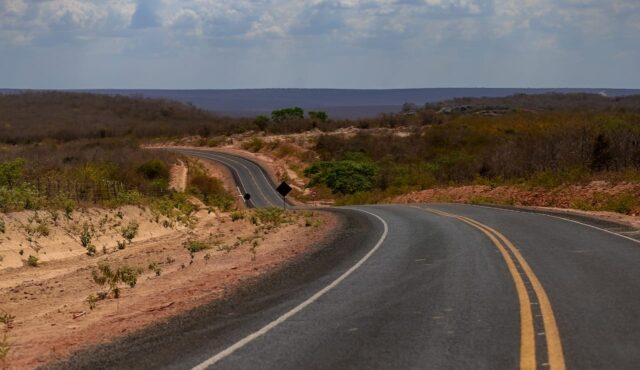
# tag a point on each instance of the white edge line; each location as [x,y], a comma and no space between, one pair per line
[253,336]
[238,160]
[562,218]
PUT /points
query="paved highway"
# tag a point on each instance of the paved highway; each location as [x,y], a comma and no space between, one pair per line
[418,287]
[250,178]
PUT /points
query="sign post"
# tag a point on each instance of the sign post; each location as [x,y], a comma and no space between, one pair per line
[284,189]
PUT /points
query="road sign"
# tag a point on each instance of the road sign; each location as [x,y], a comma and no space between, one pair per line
[283,189]
[246,196]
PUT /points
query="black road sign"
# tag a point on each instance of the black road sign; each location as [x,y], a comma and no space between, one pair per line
[283,189]
[247,196]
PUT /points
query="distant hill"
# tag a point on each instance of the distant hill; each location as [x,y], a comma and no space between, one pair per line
[34,116]
[339,103]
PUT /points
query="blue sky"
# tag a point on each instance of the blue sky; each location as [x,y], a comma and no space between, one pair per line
[319,43]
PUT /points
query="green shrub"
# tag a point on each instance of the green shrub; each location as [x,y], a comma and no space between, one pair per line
[130,231]
[91,250]
[622,203]
[343,177]
[270,216]
[550,179]
[5,347]
[11,172]
[33,261]
[19,197]
[85,235]
[155,268]
[211,191]
[237,215]
[175,206]
[285,114]
[106,275]
[254,145]
[154,169]
[194,246]
[7,320]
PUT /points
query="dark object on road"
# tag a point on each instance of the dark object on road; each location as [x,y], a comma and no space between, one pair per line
[246,196]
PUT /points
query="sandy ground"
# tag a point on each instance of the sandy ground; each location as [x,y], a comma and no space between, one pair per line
[178,176]
[51,236]
[49,301]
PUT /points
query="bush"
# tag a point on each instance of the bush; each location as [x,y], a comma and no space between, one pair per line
[106,275]
[211,191]
[91,250]
[33,261]
[154,169]
[254,145]
[194,246]
[175,206]
[85,235]
[270,216]
[19,197]
[155,268]
[237,215]
[343,177]
[130,231]
[11,172]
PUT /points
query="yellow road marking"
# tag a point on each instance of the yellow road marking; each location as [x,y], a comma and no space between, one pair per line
[527,335]
[554,345]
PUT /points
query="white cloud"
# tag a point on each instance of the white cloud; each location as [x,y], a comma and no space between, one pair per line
[312,29]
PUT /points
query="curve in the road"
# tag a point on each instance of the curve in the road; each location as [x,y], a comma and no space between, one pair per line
[521,273]
[249,176]
[454,286]
[251,337]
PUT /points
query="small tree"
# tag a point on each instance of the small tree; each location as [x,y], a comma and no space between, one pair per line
[85,235]
[344,177]
[319,116]
[286,114]
[105,275]
[130,231]
[262,122]
[11,172]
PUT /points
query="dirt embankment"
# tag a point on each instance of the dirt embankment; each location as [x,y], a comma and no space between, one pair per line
[178,176]
[619,202]
[54,314]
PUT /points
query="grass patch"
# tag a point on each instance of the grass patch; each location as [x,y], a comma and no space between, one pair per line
[195,246]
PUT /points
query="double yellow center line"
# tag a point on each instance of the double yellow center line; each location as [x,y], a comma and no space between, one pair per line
[513,258]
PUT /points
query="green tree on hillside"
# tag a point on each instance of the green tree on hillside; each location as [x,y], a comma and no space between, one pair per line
[320,116]
[348,176]
[286,114]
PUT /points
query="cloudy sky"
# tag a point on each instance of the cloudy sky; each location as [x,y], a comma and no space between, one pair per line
[319,43]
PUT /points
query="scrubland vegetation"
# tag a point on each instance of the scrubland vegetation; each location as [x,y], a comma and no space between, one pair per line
[544,142]
[541,141]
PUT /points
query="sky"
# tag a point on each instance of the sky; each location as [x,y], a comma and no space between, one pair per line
[225,44]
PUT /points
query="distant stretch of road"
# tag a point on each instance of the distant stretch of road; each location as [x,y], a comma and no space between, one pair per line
[249,176]
[436,286]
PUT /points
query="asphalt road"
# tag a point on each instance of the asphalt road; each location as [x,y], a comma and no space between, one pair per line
[249,177]
[418,287]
